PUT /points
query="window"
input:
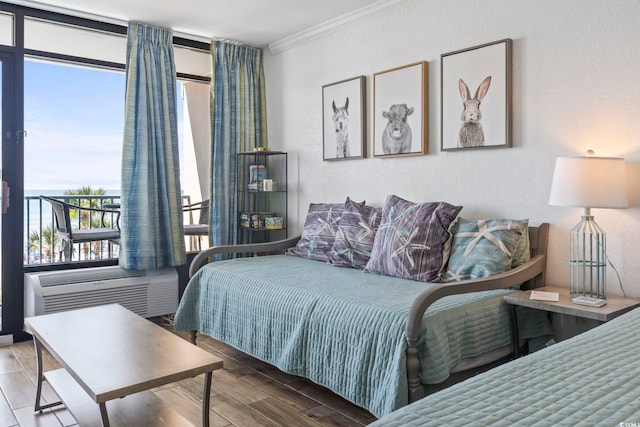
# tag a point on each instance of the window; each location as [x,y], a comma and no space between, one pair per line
[56,46]
[74,41]
[74,115]
[6,29]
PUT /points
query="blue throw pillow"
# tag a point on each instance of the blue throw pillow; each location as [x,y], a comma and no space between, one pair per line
[483,247]
[522,253]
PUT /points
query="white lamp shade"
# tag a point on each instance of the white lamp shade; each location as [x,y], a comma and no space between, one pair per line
[589,182]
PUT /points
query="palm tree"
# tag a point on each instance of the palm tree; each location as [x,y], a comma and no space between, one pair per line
[87,219]
[49,241]
[85,216]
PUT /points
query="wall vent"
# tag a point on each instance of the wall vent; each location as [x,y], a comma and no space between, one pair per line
[148,293]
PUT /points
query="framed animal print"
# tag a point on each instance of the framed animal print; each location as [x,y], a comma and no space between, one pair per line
[400,111]
[476,97]
[344,119]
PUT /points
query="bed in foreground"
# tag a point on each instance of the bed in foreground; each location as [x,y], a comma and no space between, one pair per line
[591,379]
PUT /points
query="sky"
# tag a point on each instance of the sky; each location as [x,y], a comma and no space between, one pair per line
[74,117]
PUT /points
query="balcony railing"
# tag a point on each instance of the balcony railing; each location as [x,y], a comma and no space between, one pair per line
[42,245]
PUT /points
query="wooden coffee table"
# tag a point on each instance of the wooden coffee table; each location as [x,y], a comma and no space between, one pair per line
[109,352]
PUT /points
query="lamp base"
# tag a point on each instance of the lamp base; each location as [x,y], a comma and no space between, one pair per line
[588,259]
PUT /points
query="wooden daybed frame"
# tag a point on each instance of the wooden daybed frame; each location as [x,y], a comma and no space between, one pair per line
[527,276]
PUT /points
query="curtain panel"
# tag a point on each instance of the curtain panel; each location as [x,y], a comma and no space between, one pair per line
[239,123]
[151,220]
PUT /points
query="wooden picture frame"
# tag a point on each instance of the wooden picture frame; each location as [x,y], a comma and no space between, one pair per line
[475,101]
[344,119]
[400,111]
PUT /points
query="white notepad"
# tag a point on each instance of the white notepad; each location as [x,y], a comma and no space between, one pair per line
[545,296]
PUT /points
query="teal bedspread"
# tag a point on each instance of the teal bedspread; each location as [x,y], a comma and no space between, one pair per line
[340,327]
[591,379]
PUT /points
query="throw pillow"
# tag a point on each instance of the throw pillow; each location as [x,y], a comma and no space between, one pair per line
[355,236]
[319,231]
[522,253]
[412,239]
[483,248]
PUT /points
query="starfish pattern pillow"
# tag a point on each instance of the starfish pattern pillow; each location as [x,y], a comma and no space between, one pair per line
[319,232]
[484,247]
[355,236]
[412,239]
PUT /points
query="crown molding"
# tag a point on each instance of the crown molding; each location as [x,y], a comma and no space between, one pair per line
[332,25]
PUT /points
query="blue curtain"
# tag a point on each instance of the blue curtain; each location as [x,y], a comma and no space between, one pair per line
[151,220]
[239,123]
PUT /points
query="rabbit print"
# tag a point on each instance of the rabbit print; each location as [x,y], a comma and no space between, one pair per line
[471,133]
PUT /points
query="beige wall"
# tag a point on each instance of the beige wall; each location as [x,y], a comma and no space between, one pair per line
[576,86]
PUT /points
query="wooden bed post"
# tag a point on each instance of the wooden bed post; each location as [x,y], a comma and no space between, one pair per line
[416,390]
[538,238]
[192,336]
[542,242]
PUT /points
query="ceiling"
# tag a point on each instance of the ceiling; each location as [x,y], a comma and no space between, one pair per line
[253,22]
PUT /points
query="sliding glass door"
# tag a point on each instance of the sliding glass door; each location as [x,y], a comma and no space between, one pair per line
[10,193]
[62,86]
[3,124]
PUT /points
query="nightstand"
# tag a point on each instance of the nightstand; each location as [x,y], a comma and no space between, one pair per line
[569,319]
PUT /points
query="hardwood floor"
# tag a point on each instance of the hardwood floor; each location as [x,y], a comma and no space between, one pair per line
[247,392]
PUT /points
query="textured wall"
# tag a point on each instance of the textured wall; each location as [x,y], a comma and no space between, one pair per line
[576,86]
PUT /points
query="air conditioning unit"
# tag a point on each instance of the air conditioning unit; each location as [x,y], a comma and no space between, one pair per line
[148,293]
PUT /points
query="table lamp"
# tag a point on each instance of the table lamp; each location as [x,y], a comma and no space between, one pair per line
[588,182]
